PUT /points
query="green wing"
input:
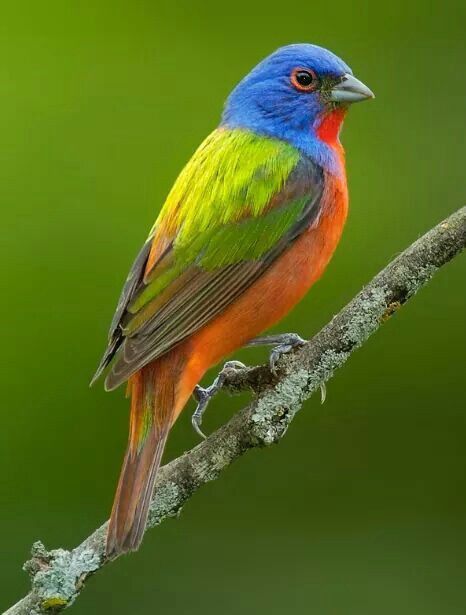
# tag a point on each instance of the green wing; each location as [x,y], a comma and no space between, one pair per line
[234,209]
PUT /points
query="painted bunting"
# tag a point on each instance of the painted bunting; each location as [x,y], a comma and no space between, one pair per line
[249,225]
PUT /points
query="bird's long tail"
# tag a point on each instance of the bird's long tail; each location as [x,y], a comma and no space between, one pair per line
[152,406]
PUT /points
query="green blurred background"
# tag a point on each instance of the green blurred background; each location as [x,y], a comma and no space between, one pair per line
[362,507]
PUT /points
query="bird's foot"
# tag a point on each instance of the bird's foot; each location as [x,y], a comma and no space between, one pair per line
[204,395]
[283,344]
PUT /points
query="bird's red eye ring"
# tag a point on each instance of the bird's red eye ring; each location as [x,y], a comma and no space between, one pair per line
[304,79]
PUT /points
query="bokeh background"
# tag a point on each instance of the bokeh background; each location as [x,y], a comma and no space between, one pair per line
[362,508]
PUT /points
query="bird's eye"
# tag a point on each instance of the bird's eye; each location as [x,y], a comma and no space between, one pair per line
[303,79]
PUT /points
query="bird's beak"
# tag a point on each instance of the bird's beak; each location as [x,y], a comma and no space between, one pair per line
[350,90]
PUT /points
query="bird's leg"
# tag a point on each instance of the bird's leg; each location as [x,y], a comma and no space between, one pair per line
[203,396]
[283,343]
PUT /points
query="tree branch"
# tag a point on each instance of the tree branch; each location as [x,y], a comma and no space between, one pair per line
[58,576]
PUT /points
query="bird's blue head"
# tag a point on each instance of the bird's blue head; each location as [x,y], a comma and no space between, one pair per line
[300,94]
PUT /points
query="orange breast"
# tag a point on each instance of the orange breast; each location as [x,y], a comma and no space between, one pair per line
[274,294]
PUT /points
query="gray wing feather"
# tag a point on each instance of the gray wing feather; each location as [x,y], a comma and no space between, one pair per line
[130,288]
[205,294]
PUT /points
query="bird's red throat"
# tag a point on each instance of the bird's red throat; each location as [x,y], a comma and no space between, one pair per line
[329,125]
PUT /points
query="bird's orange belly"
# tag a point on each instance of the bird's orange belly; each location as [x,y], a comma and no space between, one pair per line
[271,297]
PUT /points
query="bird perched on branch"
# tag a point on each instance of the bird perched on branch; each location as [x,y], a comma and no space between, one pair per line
[248,227]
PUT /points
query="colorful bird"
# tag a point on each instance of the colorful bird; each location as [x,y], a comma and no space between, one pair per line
[249,225]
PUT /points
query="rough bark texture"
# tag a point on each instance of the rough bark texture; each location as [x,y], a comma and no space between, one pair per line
[58,576]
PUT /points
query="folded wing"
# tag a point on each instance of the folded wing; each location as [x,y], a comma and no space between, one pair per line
[206,250]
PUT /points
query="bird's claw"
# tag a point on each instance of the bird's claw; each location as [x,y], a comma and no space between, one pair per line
[284,348]
[285,343]
[204,395]
[233,365]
